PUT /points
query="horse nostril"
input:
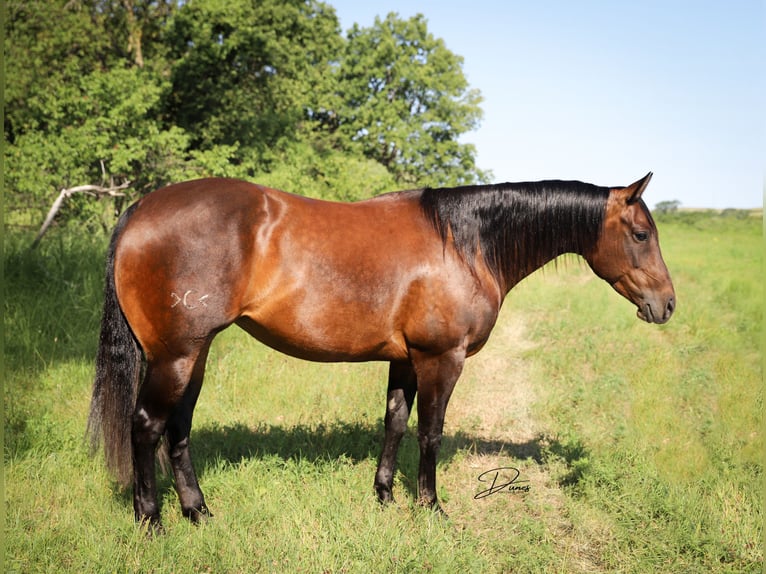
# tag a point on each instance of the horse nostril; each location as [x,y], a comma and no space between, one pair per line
[671,306]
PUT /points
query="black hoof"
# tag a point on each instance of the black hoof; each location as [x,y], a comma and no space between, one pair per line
[435,507]
[385,497]
[198,515]
[152,525]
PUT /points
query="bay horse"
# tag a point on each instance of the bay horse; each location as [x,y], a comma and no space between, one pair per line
[415,278]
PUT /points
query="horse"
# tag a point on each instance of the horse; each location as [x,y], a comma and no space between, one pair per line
[415,278]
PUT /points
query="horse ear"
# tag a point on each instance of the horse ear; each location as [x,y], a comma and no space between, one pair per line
[633,192]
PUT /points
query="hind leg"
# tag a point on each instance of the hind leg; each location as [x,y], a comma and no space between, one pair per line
[177,433]
[164,387]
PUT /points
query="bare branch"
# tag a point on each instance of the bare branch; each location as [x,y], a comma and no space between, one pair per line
[66,193]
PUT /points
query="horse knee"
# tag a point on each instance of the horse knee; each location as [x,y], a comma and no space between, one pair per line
[146,429]
[429,441]
[397,415]
[178,449]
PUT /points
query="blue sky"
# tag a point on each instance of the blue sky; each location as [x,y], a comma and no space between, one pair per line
[605,91]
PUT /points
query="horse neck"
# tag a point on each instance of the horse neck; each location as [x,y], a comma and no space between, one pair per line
[509,278]
[517,228]
[540,222]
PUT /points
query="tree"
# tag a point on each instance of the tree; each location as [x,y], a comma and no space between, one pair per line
[670,206]
[243,72]
[80,106]
[103,92]
[48,46]
[51,45]
[401,99]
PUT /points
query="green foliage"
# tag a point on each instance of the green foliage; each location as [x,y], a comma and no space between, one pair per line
[79,110]
[155,92]
[243,72]
[111,118]
[669,206]
[402,100]
[327,174]
[49,46]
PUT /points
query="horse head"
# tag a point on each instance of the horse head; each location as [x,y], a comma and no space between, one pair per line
[627,254]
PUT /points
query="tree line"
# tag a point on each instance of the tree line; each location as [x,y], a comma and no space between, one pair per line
[141,93]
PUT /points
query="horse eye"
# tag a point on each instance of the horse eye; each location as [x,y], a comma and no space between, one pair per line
[641,235]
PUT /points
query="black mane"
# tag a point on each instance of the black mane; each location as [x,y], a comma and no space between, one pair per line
[517,226]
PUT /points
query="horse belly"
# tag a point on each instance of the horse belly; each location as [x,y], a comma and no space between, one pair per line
[315,340]
[307,312]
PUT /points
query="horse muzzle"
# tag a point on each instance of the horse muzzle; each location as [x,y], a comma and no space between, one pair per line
[658,312]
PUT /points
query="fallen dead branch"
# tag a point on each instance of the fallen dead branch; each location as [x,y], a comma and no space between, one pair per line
[66,193]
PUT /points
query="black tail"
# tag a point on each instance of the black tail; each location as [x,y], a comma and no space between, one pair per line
[118,368]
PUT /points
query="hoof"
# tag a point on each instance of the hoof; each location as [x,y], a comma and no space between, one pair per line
[198,515]
[435,507]
[384,496]
[152,525]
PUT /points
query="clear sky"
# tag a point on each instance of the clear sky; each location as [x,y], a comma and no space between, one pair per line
[605,91]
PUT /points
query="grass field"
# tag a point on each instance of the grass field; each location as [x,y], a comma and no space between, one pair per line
[641,446]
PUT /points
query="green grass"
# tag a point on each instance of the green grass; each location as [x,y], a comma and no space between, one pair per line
[643,451]
[670,417]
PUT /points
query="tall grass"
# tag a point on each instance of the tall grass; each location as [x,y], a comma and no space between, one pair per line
[646,455]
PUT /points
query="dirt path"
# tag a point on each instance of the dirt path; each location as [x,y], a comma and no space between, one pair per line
[493,405]
[494,396]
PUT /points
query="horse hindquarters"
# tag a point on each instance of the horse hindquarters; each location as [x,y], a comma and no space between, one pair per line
[176,345]
[180,268]
[131,427]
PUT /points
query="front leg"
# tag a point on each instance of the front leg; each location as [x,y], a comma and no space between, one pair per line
[402,386]
[436,375]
